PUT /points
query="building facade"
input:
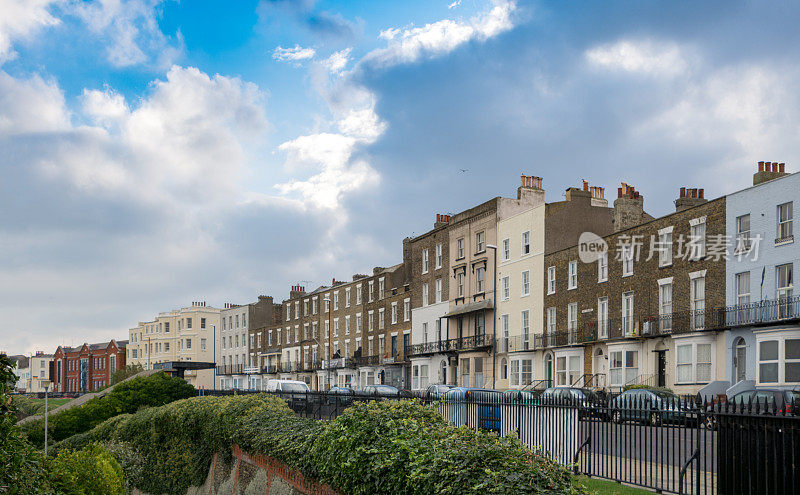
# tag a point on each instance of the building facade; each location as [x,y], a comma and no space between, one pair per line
[187,334]
[88,367]
[762,346]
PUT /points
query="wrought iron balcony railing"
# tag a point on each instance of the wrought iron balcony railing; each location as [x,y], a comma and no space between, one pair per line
[458,344]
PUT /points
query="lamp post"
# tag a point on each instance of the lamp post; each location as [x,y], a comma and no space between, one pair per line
[494,313]
[46,385]
[328,341]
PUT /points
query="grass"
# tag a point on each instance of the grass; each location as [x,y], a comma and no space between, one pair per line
[32,407]
[604,487]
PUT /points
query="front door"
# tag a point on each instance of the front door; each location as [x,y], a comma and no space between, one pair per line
[548,370]
[741,361]
[661,368]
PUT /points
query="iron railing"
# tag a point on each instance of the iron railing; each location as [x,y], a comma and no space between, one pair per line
[471,342]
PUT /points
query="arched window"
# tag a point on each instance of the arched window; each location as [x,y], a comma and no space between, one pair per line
[503,369]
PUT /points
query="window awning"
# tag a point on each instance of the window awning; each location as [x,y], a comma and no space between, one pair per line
[470,308]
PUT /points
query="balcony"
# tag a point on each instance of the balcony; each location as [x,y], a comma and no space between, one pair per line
[269,369]
[289,367]
[367,360]
[472,342]
[230,369]
[763,313]
[335,363]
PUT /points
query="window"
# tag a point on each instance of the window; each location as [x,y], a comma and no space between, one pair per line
[505,288]
[188,343]
[693,362]
[370,321]
[347,297]
[424,332]
[568,369]
[347,325]
[743,234]
[358,323]
[460,248]
[358,294]
[526,242]
[425,294]
[407,308]
[188,323]
[394,313]
[439,256]
[381,288]
[202,322]
[665,304]
[602,267]
[697,239]
[480,324]
[335,328]
[779,359]
[551,320]
[627,260]
[438,290]
[627,313]
[506,252]
[742,295]
[480,275]
[202,344]
[371,290]
[314,306]
[665,247]
[503,369]
[623,367]
[381,313]
[296,312]
[237,320]
[166,327]
[336,300]
[525,328]
[424,261]
[504,332]
[480,239]
[551,280]
[785,216]
[288,314]
[784,289]
[460,282]
[514,373]
[698,299]
[602,317]
[526,282]
[572,317]
[572,280]
[526,377]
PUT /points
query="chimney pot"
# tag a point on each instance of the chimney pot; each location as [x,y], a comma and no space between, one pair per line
[585,185]
[774,166]
[522,180]
[701,193]
[760,166]
[683,192]
[782,168]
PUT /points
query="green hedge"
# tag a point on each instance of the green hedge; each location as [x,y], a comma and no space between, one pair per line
[648,387]
[154,390]
[379,447]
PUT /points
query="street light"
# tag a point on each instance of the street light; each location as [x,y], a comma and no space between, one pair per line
[46,385]
[494,314]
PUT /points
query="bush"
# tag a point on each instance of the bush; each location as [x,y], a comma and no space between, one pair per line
[648,387]
[91,471]
[154,390]
[126,372]
[378,447]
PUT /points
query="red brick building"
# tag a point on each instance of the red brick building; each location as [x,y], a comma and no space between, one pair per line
[88,367]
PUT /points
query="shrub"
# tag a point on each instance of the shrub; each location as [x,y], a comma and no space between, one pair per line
[154,390]
[126,372]
[378,447]
[648,387]
[91,471]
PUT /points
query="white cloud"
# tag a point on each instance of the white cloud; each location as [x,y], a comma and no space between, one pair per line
[131,29]
[643,57]
[338,60]
[20,19]
[295,54]
[409,45]
[31,105]
[454,4]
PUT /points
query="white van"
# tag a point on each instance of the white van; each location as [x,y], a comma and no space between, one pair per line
[274,385]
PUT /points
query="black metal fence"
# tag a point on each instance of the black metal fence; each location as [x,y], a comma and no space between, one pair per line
[661,442]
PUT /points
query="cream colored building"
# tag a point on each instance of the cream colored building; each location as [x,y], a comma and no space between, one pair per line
[187,334]
[520,269]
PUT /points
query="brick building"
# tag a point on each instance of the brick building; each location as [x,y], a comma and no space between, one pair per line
[87,367]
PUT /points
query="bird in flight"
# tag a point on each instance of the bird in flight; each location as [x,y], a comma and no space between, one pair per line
[464,169]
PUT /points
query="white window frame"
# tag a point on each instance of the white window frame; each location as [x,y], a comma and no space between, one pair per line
[627,260]
[780,337]
[551,280]
[785,220]
[438,296]
[665,307]
[697,304]
[525,328]
[552,321]
[572,277]
[480,242]
[693,362]
[406,309]
[425,293]
[525,283]
[742,235]
[460,248]
[602,317]
[394,313]
[697,230]
[526,244]
[665,246]
[439,257]
[602,267]
[425,261]
[572,317]
[625,376]
[505,288]
[506,249]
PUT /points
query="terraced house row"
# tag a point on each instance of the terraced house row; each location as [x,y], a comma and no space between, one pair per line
[523,293]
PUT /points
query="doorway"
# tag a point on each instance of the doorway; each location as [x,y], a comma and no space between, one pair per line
[661,368]
[740,359]
[548,369]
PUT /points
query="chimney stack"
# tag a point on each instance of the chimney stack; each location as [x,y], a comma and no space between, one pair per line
[441,220]
[297,291]
[530,188]
[689,198]
[628,208]
[768,171]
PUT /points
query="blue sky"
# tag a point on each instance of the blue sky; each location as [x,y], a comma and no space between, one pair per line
[156,152]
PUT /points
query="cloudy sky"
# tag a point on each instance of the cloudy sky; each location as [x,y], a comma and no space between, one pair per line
[154,153]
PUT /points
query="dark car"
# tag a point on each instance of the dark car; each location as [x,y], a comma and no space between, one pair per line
[340,395]
[483,405]
[521,396]
[382,391]
[588,403]
[650,406]
[435,392]
[769,400]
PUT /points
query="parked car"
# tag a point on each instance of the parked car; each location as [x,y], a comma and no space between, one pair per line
[436,392]
[340,395]
[382,391]
[522,396]
[589,404]
[769,400]
[295,392]
[652,407]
